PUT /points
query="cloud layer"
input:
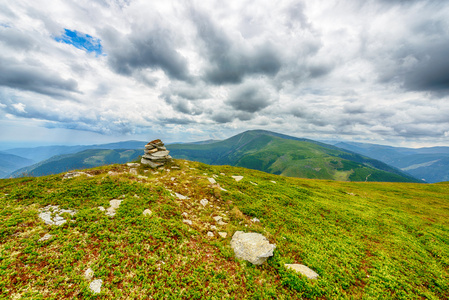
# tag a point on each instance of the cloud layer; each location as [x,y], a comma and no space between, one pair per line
[374,70]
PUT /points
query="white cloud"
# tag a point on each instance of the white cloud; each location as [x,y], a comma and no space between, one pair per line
[315,68]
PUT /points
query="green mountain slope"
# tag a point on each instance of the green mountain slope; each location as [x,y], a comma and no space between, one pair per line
[430,164]
[81,160]
[284,155]
[10,163]
[365,240]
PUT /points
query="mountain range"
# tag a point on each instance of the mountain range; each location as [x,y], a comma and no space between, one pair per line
[262,150]
[289,156]
[81,160]
[429,164]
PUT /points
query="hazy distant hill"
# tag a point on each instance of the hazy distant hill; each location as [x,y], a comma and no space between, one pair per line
[81,160]
[289,156]
[430,164]
[41,153]
[10,162]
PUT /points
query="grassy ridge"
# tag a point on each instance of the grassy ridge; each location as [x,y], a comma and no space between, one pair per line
[283,155]
[366,240]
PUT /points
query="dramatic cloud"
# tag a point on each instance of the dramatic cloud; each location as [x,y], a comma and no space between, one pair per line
[335,69]
[250,98]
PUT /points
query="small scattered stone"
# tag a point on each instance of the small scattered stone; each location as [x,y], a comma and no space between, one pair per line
[45,237]
[210,234]
[95,286]
[222,234]
[187,222]
[54,218]
[173,178]
[255,220]
[237,178]
[75,174]
[184,214]
[217,218]
[213,227]
[304,270]
[273,181]
[181,197]
[221,223]
[147,212]
[211,180]
[89,274]
[204,202]
[253,183]
[133,165]
[101,208]
[114,205]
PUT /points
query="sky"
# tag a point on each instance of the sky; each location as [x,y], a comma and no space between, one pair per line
[96,71]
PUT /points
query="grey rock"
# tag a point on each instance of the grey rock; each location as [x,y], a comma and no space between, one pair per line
[237,178]
[181,197]
[204,202]
[89,274]
[147,212]
[51,215]
[45,237]
[150,163]
[114,205]
[255,220]
[211,180]
[222,234]
[304,270]
[210,234]
[95,286]
[133,165]
[252,247]
[187,222]
[133,171]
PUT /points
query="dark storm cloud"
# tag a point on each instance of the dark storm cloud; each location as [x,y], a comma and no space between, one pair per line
[249,98]
[229,61]
[181,105]
[33,77]
[13,38]
[431,70]
[142,49]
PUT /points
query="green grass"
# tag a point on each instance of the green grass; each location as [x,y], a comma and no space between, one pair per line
[365,240]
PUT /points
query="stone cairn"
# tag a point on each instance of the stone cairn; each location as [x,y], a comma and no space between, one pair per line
[156,155]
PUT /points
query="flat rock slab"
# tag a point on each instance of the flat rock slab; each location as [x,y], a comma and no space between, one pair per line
[75,174]
[181,197]
[252,247]
[211,180]
[237,178]
[133,165]
[302,269]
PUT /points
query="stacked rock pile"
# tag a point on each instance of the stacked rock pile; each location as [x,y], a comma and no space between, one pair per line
[156,155]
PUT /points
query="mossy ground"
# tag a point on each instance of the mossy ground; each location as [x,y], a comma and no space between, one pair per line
[365,240]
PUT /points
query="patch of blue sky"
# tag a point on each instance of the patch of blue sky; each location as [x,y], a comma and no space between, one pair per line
[81,41]
[5,25]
